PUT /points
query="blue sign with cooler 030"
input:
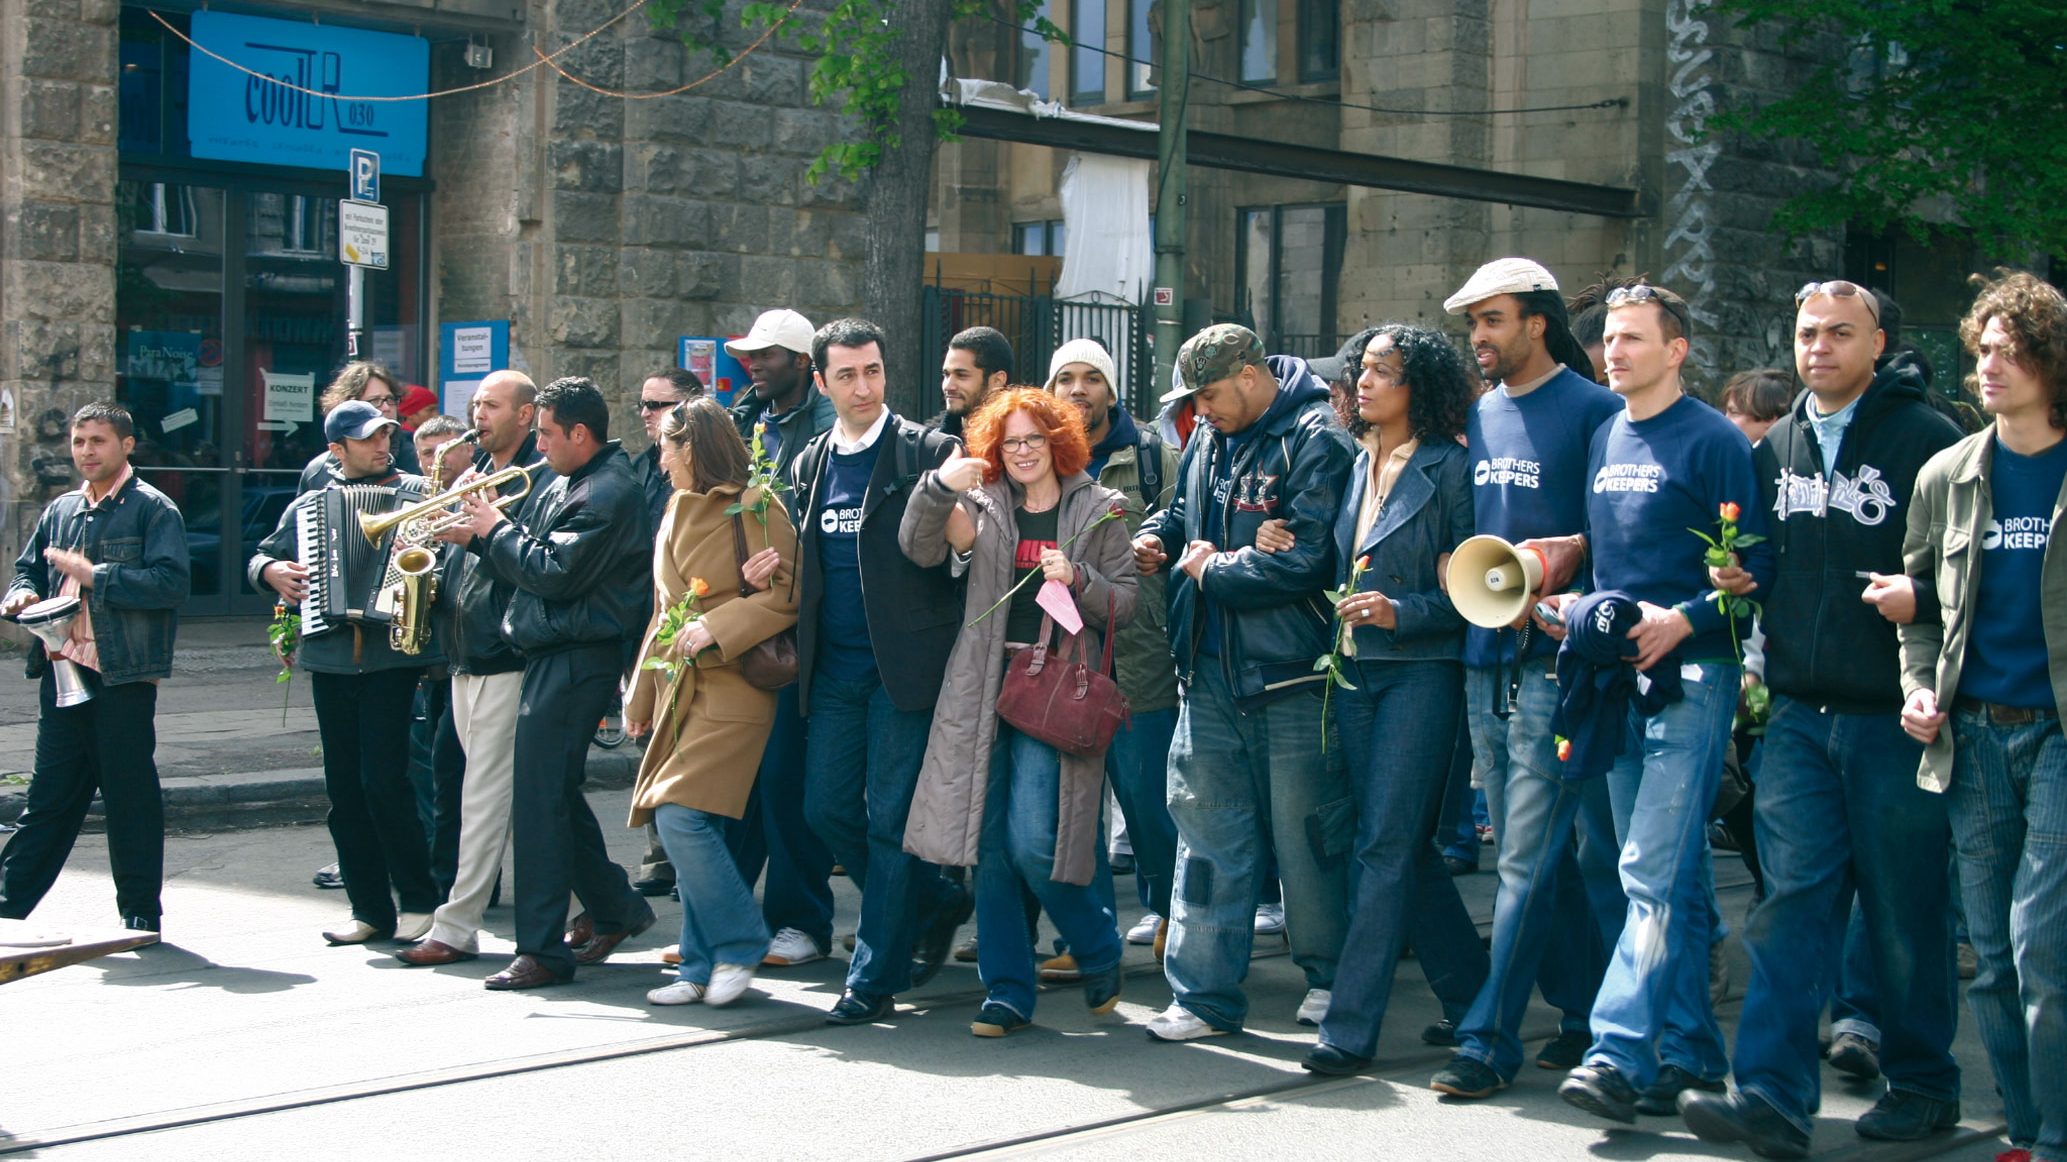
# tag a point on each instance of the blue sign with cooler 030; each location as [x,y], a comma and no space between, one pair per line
[321,113]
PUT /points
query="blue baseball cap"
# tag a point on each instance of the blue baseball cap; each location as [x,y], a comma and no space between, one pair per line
[354,419]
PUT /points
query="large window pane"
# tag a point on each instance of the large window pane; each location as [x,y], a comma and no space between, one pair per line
[1141,49]
[1087,56]
[1259,41]
[1255,255]
[1033,56]
[1302,256]
[1319,52]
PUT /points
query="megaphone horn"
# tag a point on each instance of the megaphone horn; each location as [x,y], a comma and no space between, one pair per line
[1491,581]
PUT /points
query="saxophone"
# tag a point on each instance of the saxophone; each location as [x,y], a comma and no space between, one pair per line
[411,584]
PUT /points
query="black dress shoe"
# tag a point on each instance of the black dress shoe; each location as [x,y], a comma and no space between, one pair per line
[1443,1032]
[855,1008]
[142,924]
[1902,1116]
[653,886]
[1600,1090]
[525,972]
[1660,1099]
[954,911]
[1742,1117]
[1326,1059]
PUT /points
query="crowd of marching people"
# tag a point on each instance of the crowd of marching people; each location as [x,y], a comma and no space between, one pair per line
[1805,618]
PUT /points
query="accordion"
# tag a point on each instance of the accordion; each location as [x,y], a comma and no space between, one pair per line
[347,572]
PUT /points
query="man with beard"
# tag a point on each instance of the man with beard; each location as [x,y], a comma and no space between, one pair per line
[797,900]
[978,362]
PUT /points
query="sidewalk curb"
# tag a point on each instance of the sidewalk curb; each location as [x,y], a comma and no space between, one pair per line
[254,798]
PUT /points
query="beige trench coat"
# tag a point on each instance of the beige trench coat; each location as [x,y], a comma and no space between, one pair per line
[946,819]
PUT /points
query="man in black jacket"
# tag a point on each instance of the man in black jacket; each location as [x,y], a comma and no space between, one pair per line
[487,676]
[1245,627]
[580,566]
[1836,807]
[873,636]
[120,547]
[785,413]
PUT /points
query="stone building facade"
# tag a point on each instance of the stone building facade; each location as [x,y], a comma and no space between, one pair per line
[601,228]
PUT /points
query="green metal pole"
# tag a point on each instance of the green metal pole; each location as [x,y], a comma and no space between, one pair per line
[1170,191]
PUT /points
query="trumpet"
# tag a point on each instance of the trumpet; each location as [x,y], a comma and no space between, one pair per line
[432,515]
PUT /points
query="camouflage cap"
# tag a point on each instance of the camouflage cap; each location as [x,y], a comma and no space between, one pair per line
[1212,355]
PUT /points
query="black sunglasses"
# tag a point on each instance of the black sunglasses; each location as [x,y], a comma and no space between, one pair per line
[1646,293]
[655,405]
[1839,288]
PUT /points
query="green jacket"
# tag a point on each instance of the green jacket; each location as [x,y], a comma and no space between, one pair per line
[1141,654]
[1946,518]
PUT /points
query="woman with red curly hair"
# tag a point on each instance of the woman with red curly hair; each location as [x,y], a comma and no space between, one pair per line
[1017,809]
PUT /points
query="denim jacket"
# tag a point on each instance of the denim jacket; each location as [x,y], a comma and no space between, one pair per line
[138,545]
[1427,514]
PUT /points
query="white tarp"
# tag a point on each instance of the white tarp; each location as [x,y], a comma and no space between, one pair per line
[1105,219]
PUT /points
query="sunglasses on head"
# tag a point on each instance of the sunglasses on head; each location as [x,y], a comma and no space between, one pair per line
[1838,288]
[1623,296]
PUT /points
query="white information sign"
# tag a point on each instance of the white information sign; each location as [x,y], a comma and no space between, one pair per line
[362,234]
[290,397]
[473,350]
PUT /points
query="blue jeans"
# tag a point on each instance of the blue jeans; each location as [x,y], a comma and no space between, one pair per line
[1017,852]
[1236,775]
[774,834]
[1398,729]
[1560,905]
[1653,1004]
[1854,1007]
[2009,824]
[1837,807]
[1138,763]
[865,756]
[721,924]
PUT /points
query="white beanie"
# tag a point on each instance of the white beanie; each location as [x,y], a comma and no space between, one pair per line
[1084,351]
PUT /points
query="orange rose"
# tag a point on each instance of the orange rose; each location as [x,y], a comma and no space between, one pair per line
[1730,511]
[1564,750]
[699,588]
[1363,562]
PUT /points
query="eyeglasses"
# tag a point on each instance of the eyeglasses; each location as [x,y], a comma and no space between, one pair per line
[1838,288]
[655,405]
[1023,443]
[379,401]
[1623,296]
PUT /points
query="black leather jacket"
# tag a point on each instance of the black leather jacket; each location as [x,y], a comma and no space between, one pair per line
[138,545]
[1274,619]
[475,598]
[580,563]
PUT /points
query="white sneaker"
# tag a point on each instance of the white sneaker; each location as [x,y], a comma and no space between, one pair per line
[1314,1009]
[791,948]
[728,982]
[1145,931]
[1177,1023]
[682,992]
[412,926]
[1270,919]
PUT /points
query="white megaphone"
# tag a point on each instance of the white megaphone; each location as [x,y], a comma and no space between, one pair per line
[1491,581]
[51,621]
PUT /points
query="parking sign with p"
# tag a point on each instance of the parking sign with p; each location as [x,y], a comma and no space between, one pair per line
[365,176]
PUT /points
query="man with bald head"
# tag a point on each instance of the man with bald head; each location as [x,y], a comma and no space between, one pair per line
[487,679]
[1836,808]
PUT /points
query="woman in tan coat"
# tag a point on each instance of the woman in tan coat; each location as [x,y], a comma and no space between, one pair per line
[708,724]
[1024,813]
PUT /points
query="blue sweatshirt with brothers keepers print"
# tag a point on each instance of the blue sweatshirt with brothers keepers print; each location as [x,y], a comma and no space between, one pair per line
[1652,484]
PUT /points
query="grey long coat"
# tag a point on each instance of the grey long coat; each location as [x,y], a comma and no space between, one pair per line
[946,817]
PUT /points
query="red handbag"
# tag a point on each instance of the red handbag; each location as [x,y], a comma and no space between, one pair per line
[1055,695]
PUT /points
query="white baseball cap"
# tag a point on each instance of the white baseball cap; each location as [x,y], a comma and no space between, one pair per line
[1502,276]
[781,327]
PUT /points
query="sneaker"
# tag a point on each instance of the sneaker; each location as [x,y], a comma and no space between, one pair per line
[1314,1009]
[1144,931]
[328,878]
[1177,1023]
[1102,989]
[1270,919]
[1060,970]
[1853,1054]
[1600,1090]
[855,1008]
[997,1020]
[682,992]
[965,952]
[1660,1099]
[1902,1116]
[1564,1051]
[728,983]
[1743,1117]
[1443,1032]
[1466,1077]
[790,948]
[1718,976]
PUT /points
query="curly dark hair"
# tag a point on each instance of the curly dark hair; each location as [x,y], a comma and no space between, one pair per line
[1443,386]
[2035,315]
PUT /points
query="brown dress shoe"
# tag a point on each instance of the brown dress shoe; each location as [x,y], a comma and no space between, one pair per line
[671,957]
[598,950]
[580,931]
[525,973]
[427,953]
